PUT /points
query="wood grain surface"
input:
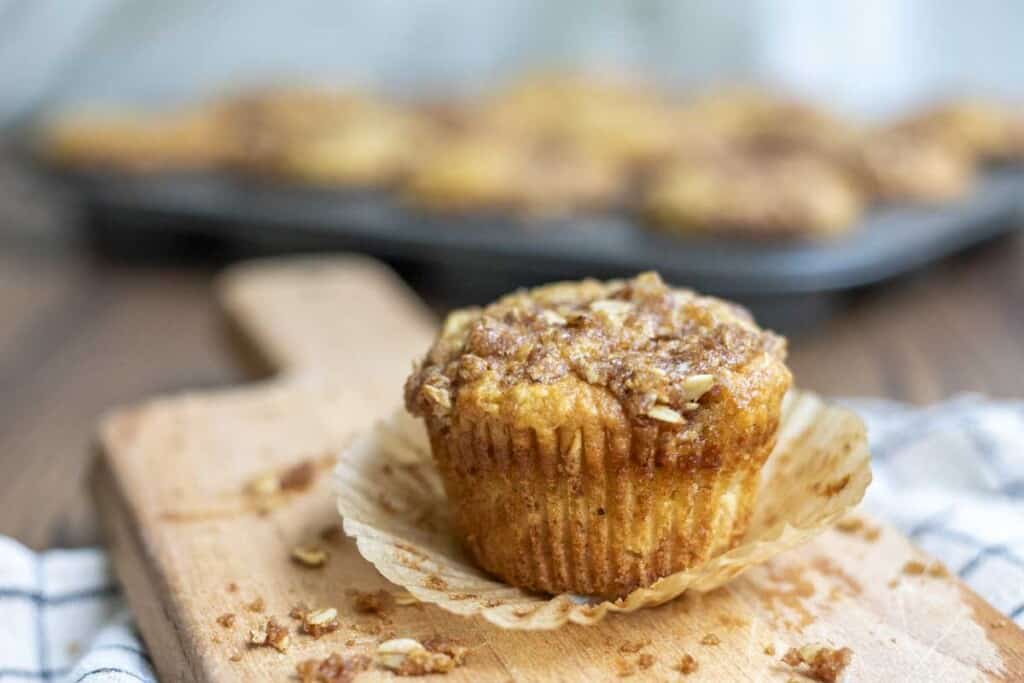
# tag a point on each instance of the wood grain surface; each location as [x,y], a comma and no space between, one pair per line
[182,533]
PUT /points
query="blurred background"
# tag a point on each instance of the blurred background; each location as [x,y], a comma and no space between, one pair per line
[106,267]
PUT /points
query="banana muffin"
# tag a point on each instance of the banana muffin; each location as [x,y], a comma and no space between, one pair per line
[594,437]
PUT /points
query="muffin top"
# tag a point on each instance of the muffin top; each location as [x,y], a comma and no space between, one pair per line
[661,352]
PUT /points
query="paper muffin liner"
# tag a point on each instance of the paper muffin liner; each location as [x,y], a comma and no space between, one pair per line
[393,504]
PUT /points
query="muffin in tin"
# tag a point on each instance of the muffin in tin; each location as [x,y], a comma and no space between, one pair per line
[480,171]
[893,165]
[594,437]
[754,195]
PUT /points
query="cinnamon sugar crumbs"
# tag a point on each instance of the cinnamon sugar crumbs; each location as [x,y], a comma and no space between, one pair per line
[257,605]
[822,663]
[320,622]
[408,657]
[687,665]
[710,639]
[270,634]
[375,602]
[631,647]
[227,620]
[332,669]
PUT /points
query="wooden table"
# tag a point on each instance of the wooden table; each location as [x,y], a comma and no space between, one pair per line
[79,334]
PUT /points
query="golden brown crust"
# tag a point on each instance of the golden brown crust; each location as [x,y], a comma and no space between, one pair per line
[594,437]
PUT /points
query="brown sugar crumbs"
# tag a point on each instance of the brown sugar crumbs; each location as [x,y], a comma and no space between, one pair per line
[408,657]
[227,620]
[372,602]
[687,665]
[270,634]
[710,639]
[319,622]
[822,663]
[333,669]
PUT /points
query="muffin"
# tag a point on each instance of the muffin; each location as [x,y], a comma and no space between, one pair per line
[480,171]
[984,130]
[594,437]
[184,140]
[753,195]
[891,165]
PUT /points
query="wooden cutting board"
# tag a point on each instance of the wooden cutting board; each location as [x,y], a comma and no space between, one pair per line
[189,546]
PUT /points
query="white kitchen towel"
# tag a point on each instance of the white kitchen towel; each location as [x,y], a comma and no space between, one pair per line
[950,475]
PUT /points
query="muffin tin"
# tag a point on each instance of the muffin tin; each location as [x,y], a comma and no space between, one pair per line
[890,240]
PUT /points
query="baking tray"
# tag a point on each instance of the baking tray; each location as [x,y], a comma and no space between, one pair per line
[889,241]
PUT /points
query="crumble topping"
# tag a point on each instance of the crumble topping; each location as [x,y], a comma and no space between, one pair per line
[823,663]
[710,639]
[409,657]
[226,620]
[662,352]
[333,669]
[270,634]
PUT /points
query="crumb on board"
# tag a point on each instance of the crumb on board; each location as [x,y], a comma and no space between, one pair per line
[332,669]
[687,665]
[871,534]
[312,556]
[270,634]
[298,477]
[632,646]
[822,663]
[624,667]
[371,602]
[645,661]
[769,650]
[257,605]
[710,639]
[404,598]
[235,657]
[934,569]
[227,620]
[299,611]
[232,587]
[332,534]
[850,525]
[409,657]
[319,622]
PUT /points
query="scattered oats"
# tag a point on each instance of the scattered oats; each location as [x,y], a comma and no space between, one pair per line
[320,621]
[227,620]
[257,605]
[309,555]
[691,405]
[408,657]
[687,665]
[235,657]
[270,634]
[665,414]
[823,663]
[696,386]
[710,639]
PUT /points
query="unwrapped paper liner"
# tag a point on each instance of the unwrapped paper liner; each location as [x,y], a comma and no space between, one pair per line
[393,504]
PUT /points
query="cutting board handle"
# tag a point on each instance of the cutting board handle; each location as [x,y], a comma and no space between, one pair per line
[348,314]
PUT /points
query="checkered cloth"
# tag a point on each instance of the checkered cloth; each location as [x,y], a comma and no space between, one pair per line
[951,476]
